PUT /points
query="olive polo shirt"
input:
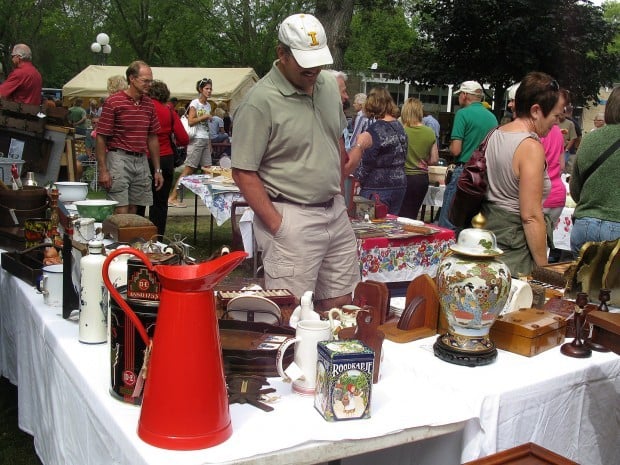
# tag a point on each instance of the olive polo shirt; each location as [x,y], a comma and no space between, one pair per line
[290,138]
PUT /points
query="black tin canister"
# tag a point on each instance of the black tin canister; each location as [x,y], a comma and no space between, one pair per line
[127,348]
[143,284]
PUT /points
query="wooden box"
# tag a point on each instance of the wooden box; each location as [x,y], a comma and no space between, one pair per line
[525,454]
[528,331]
[251,348]
[606,329]
[127,227]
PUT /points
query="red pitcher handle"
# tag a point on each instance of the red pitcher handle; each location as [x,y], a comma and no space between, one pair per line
[117,296]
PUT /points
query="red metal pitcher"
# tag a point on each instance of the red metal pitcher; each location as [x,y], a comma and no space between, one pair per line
[185,403]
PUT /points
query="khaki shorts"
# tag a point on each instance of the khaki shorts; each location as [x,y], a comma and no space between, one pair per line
[198,153]
[131,179]
[314,250]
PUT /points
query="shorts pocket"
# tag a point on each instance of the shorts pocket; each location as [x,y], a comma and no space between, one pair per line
[278,269]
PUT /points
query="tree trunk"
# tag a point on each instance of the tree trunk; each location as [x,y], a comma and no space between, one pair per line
[336,18]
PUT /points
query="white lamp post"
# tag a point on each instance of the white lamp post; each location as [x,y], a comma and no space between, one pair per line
[101,47]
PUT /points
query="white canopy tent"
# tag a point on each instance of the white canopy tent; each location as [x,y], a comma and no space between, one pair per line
[229,84]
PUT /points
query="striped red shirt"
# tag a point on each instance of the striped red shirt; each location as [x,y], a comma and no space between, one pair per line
[127,123]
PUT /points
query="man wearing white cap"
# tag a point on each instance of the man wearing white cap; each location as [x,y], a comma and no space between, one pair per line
[287,161]
[471,124]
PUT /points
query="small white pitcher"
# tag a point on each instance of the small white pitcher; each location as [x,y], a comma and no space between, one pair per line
[302,371]
[344,317]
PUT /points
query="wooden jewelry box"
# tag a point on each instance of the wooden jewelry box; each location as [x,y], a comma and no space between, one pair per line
[606,329]
[126,227]
[528,331]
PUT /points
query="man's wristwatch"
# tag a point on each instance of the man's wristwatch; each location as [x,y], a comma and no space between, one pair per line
[158,170]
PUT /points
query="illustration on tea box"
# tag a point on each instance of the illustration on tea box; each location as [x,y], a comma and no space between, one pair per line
[344,380]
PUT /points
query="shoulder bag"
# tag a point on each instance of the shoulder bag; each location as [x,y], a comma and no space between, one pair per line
[471,187]
[191,130]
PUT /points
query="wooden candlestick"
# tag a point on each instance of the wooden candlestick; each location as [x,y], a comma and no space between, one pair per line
[577,348]
[604,296]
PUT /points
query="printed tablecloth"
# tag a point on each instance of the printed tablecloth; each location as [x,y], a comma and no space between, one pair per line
[219,202]
[392,260]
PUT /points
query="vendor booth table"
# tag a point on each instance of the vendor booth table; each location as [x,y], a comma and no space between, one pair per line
[216,196]
[432,199]
[402,260]
[570,406]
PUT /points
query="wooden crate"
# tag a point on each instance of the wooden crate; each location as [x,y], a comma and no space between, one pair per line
[526,454]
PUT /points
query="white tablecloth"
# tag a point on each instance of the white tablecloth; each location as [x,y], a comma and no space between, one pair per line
[571,406]
[434,196]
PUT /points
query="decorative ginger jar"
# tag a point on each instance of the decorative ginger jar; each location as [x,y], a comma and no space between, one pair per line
[473,286]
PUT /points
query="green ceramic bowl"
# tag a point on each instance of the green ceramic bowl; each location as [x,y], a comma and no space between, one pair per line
[97,209]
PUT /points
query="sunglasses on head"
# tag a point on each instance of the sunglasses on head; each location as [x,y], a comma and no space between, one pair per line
[203,82]
[553,85]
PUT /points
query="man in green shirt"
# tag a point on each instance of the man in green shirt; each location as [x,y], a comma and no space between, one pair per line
[77,117]
[471,124]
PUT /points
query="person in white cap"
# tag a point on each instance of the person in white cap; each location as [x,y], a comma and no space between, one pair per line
[471,124]
[509,114]
[287,158]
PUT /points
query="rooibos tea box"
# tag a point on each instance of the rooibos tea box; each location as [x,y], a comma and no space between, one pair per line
[344,380]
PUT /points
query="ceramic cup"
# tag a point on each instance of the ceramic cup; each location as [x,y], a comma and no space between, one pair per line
[50,285]
[303,369]
[344,317]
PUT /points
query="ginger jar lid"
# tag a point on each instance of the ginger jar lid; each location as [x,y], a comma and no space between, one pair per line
[477,242]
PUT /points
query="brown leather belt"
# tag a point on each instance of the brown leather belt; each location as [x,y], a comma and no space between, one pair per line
[128,152]
[327,204]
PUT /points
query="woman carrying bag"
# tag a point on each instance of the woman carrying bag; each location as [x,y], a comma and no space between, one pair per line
[170,125]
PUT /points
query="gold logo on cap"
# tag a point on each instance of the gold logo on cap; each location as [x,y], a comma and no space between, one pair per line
[313,42]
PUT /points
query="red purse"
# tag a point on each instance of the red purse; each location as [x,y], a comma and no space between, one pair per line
[381,209]
[471,187]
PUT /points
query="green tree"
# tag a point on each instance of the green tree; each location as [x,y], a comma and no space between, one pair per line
[381,35]
[611,13]
[497,42]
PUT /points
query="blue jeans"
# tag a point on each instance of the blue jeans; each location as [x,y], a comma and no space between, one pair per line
[448,195]
[391,196]
[592,230]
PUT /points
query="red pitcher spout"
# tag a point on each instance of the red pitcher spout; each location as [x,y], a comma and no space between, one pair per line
[200,277]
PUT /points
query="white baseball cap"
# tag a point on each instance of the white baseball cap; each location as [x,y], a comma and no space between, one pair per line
[305,36]
[512,91]
[469,87]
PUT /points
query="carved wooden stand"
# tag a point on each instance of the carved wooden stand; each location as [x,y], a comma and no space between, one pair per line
[578,348]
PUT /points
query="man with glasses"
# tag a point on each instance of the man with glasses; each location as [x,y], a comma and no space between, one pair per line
[126,130]
[24,83]
[287,158]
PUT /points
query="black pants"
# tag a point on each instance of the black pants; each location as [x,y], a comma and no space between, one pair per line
[417,185]
[158,212]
